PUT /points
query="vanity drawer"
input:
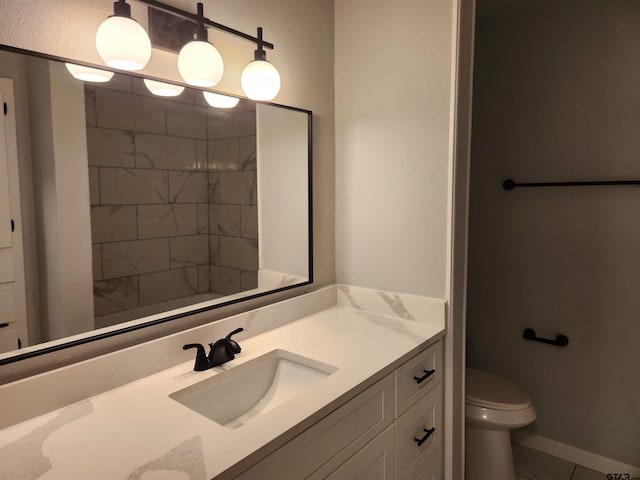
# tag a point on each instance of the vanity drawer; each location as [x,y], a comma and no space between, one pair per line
[331,441]
[409,386]
[425,415]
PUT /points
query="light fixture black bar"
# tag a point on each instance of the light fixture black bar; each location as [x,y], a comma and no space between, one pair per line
[510,184]
[196,19]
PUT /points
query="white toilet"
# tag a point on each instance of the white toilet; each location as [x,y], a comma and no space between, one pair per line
[493,407]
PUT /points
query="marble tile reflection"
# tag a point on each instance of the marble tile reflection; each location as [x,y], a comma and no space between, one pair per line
[225,281]
[168,178]
[188,187]
[203,278]
[115,295]
[125,111]
[162,152]
[120,83]
[96,262]
[121,259]
[249,280]
[189,250]
[186,121]
[202,155]
[122,186]
[167,220]
[238,252]
[224,155]
[214,249]
[239,188]
[241,124]
[224,219]
[113,223]
[249,221]
[216,119]
[160,286]
[214,187]
[203,217]
[94,186]
[247,154]
[110,148]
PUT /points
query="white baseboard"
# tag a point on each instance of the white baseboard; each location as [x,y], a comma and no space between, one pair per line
[575,455]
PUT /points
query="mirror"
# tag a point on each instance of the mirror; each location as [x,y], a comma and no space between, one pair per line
[127,206]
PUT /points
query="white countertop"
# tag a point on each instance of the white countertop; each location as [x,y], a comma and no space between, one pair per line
[136,431]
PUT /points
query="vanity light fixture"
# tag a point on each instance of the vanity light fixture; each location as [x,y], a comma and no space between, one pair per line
[123,44]
[218,100]
[260,80]
[88,74]
[199,62]
[121,41]
[163,89]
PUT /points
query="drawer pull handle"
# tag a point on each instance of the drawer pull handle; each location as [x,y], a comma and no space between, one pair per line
[2,325]
[420,441]
[427,374]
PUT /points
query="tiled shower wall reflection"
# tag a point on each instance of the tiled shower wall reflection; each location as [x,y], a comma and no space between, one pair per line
[173,196]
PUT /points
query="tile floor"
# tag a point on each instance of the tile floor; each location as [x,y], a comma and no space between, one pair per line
[534,465]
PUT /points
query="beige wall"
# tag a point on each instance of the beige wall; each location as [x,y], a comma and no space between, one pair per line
[393,86]
[557,98]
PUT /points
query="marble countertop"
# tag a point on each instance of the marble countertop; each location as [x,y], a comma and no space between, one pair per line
[136,431]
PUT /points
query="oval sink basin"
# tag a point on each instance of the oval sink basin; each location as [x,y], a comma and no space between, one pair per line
[236,396]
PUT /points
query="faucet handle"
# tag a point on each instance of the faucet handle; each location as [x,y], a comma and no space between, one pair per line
[232,343]
[202,362]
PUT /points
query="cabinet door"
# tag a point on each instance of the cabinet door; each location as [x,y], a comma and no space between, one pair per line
[376,461]
[5,204]
[433,471]
[8,338]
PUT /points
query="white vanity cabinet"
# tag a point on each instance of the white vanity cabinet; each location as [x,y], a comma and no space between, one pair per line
[372,436]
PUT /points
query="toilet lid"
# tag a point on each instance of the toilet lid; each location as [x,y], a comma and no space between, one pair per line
[485,389]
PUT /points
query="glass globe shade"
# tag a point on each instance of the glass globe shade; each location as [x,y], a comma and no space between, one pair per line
[88,74]
[200,64]
[220,101]
[260,80]
[163,89]
[122,43]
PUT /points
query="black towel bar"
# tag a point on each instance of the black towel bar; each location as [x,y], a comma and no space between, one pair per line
[510,184]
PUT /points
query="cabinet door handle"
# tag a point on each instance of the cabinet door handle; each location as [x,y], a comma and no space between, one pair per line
[427,374]
[420,441]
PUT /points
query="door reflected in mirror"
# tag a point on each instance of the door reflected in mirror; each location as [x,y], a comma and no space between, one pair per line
[133,205]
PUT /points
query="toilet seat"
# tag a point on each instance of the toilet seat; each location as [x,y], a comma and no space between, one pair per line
[486,390]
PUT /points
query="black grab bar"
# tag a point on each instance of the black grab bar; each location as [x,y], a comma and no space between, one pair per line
[560,341]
